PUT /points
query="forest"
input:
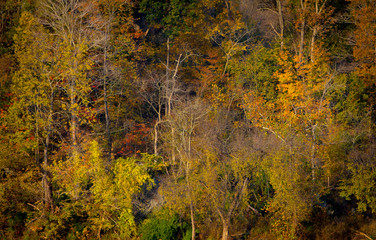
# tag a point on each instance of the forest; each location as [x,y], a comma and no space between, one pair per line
[188,119]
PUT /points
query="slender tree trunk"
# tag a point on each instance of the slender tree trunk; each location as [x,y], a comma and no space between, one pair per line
[226,64]
[73,123]
[225,225]
[301,41]
[294,222]
[156,139]
[169,94]
[315,30]
[192,221]
[190,201]
[73,107]
[313,39]
[99,232]
[107,116]
[157,122]
[168,99]
[302,31]
[36,153]
[313,153]
[281,24]
[173,154]
[105,97]
[189,188]
[46,174]
[47,188]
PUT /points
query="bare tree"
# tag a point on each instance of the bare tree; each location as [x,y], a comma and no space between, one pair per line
[184,120]
[160,90]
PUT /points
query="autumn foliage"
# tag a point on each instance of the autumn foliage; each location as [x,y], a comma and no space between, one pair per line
[187,119]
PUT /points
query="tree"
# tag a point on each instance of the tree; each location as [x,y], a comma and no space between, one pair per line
[300,113]
[162,86]
[94,191]
[231,36]
[255,71]
[35,89]
[168,14]
[114,55]
[364,50]
[68,21]
[184,120]
[229,171]
[364,34]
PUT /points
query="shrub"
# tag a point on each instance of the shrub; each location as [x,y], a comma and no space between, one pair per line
[163,227]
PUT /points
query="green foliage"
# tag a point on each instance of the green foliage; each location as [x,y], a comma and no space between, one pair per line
[162,226]
[255,70]
[353,154]
[187,235]
[168,14]
[361,186]
[349,97]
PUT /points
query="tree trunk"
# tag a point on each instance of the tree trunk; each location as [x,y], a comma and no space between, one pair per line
[47,188]
[192,221]
[45,182]
[173,155]
[313,152]
[313,39]
[301,43]
[73,120]
[107,114]
[225,229]
[156,139]
[280,19]
[302,31]
[294,223]
[315,30]
[190,201]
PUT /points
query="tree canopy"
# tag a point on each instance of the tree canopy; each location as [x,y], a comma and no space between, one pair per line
[191,119]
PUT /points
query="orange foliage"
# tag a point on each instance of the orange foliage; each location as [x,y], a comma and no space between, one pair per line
[365,36]
[135,141]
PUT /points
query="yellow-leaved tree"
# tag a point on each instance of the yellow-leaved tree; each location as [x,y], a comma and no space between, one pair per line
[98,194]
[35,93]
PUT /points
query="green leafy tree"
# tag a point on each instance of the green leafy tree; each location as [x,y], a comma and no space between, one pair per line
[168,14]
[164,225]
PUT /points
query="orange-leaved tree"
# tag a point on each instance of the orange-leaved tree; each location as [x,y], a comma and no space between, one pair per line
[298,117]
